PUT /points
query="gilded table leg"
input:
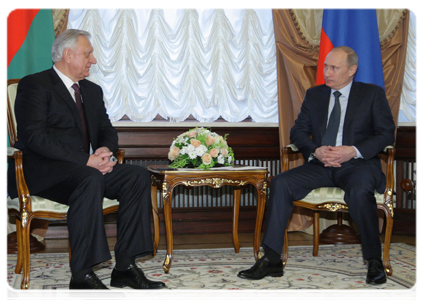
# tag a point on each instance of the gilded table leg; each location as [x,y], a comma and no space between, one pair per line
[167,209]
[261,201]
[237,200]
[155,218]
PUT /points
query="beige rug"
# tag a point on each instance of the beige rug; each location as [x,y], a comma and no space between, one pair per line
[337,273]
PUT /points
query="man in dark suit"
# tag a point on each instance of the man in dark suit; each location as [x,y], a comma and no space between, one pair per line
[342,155]
[68,157]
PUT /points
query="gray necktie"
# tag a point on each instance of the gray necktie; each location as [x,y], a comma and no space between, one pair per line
[80,106]
[329,139]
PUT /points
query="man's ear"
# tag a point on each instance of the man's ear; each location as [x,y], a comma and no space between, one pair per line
[67,55]
[352,70]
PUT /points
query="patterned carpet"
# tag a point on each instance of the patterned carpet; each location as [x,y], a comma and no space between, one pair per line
[336,267]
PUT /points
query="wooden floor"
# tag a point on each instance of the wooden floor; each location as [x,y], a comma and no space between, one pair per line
[209,241]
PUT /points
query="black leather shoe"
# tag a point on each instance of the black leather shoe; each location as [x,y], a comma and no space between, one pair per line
[376,272]
[134,278]
[262,268]
[92,288]
[10,295]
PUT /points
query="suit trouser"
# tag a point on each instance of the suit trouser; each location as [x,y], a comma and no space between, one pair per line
[83,190]
[356,178]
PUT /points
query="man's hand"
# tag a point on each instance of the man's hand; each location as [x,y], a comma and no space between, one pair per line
[335,156]
[100,160]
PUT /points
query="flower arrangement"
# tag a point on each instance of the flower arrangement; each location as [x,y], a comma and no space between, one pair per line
[201,149]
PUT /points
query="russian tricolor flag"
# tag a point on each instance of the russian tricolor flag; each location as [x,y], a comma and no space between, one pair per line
[358,29]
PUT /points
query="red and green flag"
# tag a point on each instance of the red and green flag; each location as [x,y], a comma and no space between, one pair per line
[30,35]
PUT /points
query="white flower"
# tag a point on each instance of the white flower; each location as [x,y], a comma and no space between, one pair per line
[221,159]
[200,150]
[192,154]
[229,159]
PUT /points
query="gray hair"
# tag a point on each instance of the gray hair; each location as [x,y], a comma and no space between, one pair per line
[352,57]
[67,39]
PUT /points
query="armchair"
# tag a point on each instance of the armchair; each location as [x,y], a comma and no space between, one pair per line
[332,199]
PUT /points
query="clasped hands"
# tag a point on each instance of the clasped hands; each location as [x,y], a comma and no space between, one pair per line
[100,160]
[335,156]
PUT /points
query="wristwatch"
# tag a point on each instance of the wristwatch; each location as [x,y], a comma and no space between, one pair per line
[312,156]
[113,158]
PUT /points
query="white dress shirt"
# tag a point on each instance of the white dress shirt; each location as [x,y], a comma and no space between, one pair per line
[343,101]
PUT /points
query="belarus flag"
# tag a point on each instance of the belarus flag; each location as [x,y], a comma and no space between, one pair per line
[358,29]
[30,35]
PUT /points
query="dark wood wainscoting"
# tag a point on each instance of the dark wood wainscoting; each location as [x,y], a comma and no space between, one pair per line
[405,180]
[252,146]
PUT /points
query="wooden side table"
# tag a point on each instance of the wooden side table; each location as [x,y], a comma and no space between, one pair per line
[167,180]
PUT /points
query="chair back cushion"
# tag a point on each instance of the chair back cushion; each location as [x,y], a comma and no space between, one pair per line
[12,89]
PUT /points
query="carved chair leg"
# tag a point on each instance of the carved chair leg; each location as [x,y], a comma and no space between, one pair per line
[285,249]
[19,260]
[386,247]
[26,254]
[316,232]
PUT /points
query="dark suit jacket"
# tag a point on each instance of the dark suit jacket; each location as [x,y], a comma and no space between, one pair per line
[369,125]
[50,131]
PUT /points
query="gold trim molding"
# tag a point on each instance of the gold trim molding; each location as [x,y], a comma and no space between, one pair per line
[333,206]
[214,182]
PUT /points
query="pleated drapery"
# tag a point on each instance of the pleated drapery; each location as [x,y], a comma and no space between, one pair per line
[175,63]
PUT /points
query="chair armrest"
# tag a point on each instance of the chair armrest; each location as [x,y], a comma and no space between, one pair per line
[286,151]
[11,151]
[25,201]
[120,154]
[389,151]
[293,147]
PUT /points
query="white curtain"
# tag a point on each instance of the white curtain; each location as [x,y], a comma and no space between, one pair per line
[174,63]
[408,93]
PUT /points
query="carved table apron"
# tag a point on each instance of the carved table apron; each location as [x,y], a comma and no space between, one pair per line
[167,180]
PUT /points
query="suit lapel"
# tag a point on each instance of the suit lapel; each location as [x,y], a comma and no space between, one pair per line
[352,108]
[324,97]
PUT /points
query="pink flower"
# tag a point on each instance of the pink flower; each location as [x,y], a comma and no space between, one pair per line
[192,133]
[214,152]
[224,151]
[173,153]
[209,140]
[195,143]
[206,158]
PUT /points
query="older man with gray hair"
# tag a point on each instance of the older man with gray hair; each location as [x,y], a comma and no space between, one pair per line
[68,146]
